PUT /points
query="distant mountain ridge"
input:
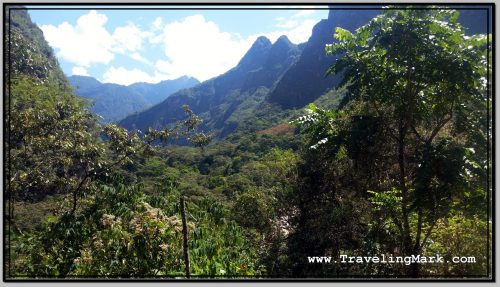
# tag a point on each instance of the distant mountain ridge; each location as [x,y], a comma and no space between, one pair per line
[217,100]
[270,77]
[271,80]
[156,93]
[114,102]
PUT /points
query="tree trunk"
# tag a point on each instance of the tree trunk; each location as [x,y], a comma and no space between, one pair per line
[404,194]
[408,248]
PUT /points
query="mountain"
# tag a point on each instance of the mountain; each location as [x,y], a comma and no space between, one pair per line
[305,81]
[155,93]
[114,102]
[474,18]
[290,76]
[84,83]
[271,80]
[110,101]
[224,101]
[29,53]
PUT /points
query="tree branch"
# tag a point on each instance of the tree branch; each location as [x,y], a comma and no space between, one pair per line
[379,114]
[76,191]
[414,130]
[436,130]
[428,233]
[416,248]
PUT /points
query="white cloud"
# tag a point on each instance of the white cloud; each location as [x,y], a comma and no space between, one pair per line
[301,32]
[155,33]
[88,42]
[287,24]
[297,34]
[164,66]
[124,76]
[81,71]
[197,47]
[297,30]
[303,13]
[84,44]
[138,57]
[127,39]
[192,46]
[157,24]
[155,38]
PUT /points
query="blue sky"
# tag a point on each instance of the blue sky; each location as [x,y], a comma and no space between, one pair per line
[127,46]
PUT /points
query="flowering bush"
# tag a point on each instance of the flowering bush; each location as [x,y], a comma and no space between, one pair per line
[121,235]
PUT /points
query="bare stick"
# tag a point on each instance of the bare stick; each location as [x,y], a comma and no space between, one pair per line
[185,236]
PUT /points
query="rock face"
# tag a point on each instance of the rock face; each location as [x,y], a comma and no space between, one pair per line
[218,98]
[305,81]
[475,21]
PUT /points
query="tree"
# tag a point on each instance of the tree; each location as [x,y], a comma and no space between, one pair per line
[414,78]
[57,146]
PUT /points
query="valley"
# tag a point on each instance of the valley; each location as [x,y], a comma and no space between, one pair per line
[371,138]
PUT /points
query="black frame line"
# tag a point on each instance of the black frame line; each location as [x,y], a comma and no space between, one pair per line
[491,146]
[6,127]
[491,151]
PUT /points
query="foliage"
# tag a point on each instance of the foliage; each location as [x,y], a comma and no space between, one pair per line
[461,235]
[52,141]
[119,234]
[253,209]
[30,54]
[55,142]
[409,122]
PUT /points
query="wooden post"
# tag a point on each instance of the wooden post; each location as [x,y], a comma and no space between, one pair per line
[185,236]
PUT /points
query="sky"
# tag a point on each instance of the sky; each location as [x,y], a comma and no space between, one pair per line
[125,46]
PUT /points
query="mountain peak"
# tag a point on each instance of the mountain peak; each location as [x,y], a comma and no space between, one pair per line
[283,39]
[256,55]
[261,44]
[262,40]
[282,45]
[78,81]
[182,79]
[83,77]
[305,81]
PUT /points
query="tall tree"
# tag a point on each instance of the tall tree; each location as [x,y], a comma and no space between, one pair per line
[417,80]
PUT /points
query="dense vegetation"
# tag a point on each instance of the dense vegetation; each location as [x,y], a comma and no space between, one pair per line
[394,161]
